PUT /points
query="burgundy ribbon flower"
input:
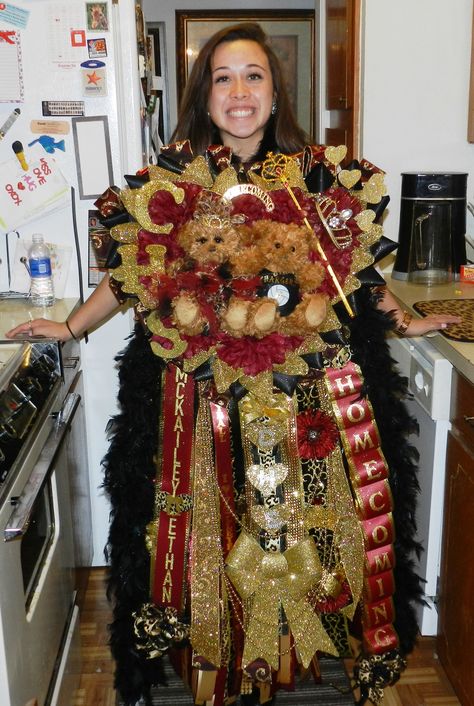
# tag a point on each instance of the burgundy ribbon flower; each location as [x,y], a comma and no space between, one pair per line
[255,355]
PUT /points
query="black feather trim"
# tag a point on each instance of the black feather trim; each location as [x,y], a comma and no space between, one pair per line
[129,472]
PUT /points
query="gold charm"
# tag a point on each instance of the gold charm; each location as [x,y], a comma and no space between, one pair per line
[266,478]
[173,505]
[334,221]
[271,519]
[266,435]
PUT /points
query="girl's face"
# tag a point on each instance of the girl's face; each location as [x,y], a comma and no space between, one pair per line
[240,101]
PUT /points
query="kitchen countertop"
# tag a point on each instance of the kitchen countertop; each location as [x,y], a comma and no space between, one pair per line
[16,311]
[460,355]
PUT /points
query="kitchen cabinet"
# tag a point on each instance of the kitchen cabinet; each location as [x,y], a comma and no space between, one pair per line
[456,604]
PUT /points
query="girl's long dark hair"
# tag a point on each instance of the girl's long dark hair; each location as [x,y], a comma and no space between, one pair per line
[282,131]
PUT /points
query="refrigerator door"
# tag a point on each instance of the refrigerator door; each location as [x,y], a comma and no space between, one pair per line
[74,78]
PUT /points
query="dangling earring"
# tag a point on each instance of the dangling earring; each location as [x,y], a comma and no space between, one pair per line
[274,106]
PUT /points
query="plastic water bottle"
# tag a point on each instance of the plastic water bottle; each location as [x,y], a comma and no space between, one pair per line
[39,261]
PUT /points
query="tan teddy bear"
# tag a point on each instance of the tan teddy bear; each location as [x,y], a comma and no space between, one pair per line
[207,240]
[282,249]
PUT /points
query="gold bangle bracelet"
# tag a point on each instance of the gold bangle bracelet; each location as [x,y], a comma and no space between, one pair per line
[405,322]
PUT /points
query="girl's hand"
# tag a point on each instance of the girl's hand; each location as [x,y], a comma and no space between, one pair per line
[435,322]
[41,327]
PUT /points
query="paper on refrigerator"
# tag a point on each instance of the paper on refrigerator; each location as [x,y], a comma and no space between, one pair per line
[26,195]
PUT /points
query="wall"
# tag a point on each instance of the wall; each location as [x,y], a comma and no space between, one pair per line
[415,90]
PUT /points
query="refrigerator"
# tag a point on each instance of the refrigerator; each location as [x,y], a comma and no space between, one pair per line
[71,95]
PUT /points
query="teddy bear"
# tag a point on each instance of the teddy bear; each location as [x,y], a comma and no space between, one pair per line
[210,240]
[207,241]
[222,249]
[279,252]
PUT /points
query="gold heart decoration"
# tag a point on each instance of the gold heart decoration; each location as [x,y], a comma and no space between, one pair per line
[374,189]
[335,155]
[349,178]
[364,219]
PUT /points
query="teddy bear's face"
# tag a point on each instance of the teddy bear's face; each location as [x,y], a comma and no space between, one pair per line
[208,244]
[284,247]
[281,254]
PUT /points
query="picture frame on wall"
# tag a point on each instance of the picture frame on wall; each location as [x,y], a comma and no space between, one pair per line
[292,37]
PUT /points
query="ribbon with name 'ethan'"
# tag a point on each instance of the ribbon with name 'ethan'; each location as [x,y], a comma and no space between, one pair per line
[369,478]
[169,533]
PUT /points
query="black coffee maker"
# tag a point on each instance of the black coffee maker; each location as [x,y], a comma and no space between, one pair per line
[432,217]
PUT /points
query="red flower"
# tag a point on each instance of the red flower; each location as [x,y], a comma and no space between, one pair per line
[163,208]
[317,434]
[254,355]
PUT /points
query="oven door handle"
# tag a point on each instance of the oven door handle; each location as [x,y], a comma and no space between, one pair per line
[20,518]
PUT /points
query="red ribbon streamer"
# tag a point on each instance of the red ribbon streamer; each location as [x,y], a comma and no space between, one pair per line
[369,473]
[173,530]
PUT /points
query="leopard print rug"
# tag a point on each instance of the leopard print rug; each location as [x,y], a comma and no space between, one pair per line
[463,331]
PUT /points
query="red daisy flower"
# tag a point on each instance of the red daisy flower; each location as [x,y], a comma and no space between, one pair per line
[317,434]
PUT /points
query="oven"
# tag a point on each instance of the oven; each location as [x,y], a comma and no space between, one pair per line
[429,381]
[38,615]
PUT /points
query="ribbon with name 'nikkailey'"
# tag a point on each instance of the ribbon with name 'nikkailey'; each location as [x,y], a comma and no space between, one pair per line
[169,532]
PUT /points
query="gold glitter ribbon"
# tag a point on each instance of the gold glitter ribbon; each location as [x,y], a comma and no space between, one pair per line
[207,587]
[273,408]
[268,580]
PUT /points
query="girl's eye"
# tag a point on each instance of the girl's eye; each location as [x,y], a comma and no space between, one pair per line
[255,77]
[221,79]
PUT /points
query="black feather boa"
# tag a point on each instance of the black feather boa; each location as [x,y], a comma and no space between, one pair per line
[129,471]
[387,389]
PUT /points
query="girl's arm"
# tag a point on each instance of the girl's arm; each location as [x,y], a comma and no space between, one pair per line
[100,304]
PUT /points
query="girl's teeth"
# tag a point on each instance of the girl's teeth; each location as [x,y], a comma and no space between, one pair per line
[240,113]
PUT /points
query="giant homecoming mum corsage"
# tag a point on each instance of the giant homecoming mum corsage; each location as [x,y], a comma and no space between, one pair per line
[245,276]
[249,282]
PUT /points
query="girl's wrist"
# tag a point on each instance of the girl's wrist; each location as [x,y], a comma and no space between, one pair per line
[402,327]
[71,331]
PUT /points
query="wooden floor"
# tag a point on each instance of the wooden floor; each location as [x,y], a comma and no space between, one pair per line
[422,684]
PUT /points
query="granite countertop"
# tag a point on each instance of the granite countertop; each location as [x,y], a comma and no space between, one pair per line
[16,311]
[460,355]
